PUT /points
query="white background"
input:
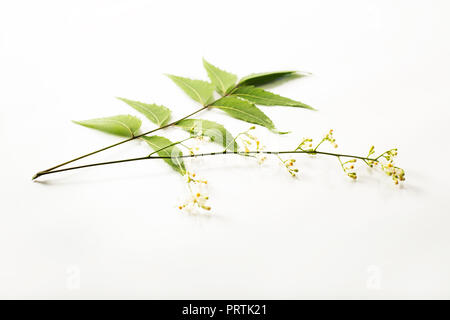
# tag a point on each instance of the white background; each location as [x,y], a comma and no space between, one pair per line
[381,73]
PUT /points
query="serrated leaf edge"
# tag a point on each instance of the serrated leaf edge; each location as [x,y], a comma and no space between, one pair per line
[111,120]
[208,68]
[159,123]
[178,78]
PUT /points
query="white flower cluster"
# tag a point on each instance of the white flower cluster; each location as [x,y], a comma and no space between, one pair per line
[386,162]
[251,142]
[289,165]
[197,200]
[329,137]
[348,168]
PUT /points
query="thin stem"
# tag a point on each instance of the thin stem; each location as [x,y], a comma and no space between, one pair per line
[170,145]
[119,143]
[319,144]
[132,138]
[342,165]
[301,144]
[235,138]
[207,154]
[383,154]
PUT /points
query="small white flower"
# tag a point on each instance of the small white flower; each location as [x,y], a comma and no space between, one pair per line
[197,200]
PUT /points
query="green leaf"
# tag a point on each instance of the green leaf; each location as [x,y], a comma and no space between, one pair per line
[259,79]
[222,80]
[200,91]
[122,125]
[167,149]
[266,98]
[159,115]
[214,130]
[244,110]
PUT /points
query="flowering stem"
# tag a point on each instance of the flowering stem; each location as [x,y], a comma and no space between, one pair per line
[312,152]
[318,145]
[384,154]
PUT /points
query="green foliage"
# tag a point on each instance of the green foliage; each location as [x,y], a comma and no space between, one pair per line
[200,91]
[215,131]
[159,115]
[266,98]
[238,100]
[222,80]
[166,148]
[122,125]
[259,79]
[244,110]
